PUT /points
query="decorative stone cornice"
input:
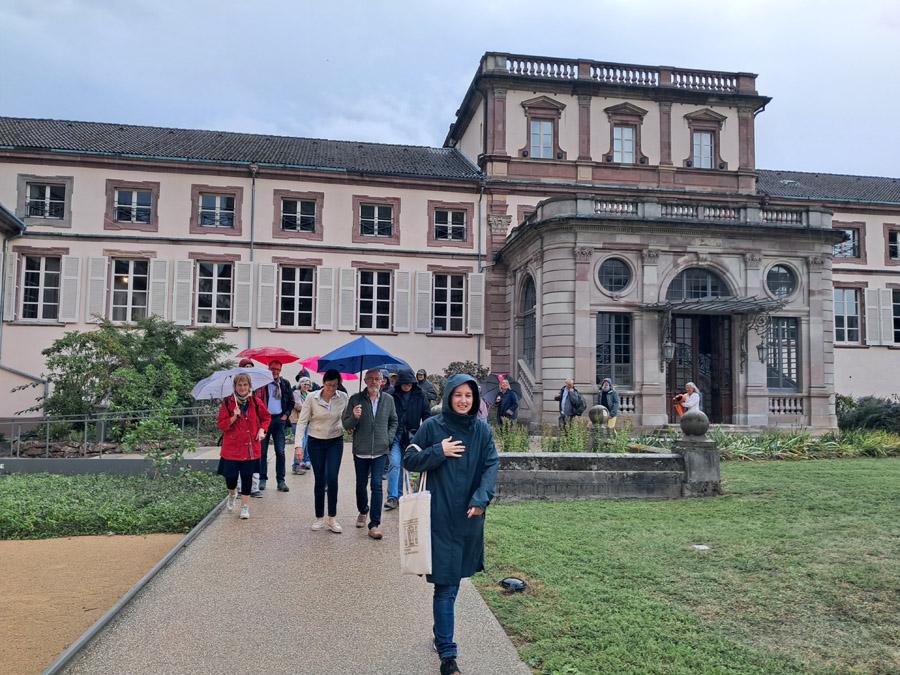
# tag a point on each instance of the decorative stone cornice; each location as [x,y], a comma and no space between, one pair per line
[583,254]
[816,261]
[650,256]
[499,224]
[752,260]
[537,258]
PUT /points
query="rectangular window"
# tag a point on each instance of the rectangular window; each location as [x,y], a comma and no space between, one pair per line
[846,315]
[542,139]
[129,290]
[40,287]
[623,144]
[449,225]
[46,201]
[296,309]
[298,215]
[375,299]
[133,206]
[849,248]
[448,293]
[894,244]
[782,368]
[214,293]
[703,149]
[216,210]
[614,348]
[376,220]
[896,305]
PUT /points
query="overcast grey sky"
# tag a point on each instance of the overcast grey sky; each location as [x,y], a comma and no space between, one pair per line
[395,72]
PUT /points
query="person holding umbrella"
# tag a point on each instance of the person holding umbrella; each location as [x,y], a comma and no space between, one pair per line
[321,415]
[457,450]
[243,421]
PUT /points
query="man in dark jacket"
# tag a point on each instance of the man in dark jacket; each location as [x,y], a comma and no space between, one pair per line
[371,416]
[426,386]
[279,399]
[571,403]
[413,408]
[608,397]
[507,403]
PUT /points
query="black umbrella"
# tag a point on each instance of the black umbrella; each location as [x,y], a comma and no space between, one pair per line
[490,388]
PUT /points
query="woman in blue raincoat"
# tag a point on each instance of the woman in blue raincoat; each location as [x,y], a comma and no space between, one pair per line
[457,450]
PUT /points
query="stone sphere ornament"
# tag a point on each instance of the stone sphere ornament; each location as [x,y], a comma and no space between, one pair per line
[598,415]
[694,424]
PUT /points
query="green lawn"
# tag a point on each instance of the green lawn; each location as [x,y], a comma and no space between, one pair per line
[39,506]
[803,575]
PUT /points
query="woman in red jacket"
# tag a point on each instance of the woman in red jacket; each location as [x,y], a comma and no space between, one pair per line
[243,421]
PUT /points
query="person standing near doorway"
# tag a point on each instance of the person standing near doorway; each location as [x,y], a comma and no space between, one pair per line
[372,418]
[279,399]
[571,403]
[608,397]
[693,400]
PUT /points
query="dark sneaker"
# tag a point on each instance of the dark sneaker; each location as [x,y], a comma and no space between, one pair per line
[282,486]
[256,494]
[449,667]
[391,504]
[262,484]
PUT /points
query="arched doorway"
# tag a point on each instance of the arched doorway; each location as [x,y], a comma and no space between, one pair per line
[703,345]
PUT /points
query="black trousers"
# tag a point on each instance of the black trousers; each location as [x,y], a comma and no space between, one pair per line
[232,468]
[325,455]
[369,471]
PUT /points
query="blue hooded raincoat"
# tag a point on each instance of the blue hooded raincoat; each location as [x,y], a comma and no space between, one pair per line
[456,484]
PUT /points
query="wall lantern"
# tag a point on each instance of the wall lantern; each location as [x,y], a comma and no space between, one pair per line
[668,351]
[763,350]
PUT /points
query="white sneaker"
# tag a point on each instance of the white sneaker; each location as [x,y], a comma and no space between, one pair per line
[245,512]
[335,526]
[318,524]
[229,502]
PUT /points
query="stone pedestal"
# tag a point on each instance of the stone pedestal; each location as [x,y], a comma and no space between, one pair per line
[701,457]
[599,416]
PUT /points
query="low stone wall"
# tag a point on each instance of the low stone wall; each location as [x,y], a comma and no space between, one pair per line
[551,475]
[79,465]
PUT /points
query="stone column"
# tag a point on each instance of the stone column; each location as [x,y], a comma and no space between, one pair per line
[746,140]
[665,134]
[756,390]
[584,127]
[585,330]
[497,122]
[497,310]
[820,343]
[555,357]
[648,326]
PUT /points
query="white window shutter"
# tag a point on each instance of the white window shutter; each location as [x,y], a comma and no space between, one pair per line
[70,288]
[183,298]
[886,303]
[347,316]
[873,318]
[159,289]
[242,312]
[325,299]
[9,286]
[402,283]
[423,302]
[95,306]
[476,304]
[267,281]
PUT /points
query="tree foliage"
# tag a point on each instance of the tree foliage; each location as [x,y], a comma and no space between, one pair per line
[152,364]
[467,367]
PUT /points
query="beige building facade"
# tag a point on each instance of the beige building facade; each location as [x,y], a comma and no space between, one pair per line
[582,219]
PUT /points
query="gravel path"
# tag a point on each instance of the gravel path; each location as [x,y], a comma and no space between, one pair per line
[270,595]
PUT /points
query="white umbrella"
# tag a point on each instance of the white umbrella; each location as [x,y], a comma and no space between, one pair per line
[221,383]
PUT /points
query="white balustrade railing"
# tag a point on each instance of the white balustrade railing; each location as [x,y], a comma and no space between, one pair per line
[704,81]
[621,74]
[786,405]
[553,69]
[680,211]
[719,213]
[782,216]
[617,208]
[627,403]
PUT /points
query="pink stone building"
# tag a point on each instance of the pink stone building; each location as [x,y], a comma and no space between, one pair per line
[582,219]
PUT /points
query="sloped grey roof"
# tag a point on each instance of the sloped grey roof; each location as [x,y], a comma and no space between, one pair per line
[125,140]
[828,187]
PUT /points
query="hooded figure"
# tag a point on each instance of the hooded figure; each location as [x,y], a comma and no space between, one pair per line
[457,450]
[608,397]
[426,386]
[412,409]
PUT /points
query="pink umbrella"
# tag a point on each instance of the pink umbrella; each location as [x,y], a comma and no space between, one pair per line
[312,365]
[266,355]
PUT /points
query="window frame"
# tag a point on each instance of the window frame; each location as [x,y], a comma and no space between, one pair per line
[42,287]
[543,109]
[109,216]
[129,306]
[220,191]
[23,183]
[778,333]
[215,293]
[701,121]
[891,229]
[711,274]
[620,372]
[860,341]
[895,313]
[794,274]
[527,318]
[296,284]
[468,208]
[278,232]
[374,314]
[621,116]
[356,231]
[860,227]
[448,303]
[598,279]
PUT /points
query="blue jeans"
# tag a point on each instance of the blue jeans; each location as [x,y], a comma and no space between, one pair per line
[326,463]
[442,607]
[369,471]
[276,433]
[295,464]
[395,473]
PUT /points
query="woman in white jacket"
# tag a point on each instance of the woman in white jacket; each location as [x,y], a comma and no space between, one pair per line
[692,402]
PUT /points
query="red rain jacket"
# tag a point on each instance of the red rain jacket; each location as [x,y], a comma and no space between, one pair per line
[239,440]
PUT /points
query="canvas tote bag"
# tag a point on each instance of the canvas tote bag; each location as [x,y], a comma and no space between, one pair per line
[415,528]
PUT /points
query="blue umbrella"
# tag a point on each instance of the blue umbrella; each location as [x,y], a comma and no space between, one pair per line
[357,356]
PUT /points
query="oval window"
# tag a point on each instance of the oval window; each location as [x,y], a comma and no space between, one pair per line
[615,274]
[781,281]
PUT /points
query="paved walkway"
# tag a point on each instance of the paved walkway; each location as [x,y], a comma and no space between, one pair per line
[270,595]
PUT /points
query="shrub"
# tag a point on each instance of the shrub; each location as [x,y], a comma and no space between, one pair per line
[870,412]
[511,438]
[467,367]
[574,437]
[164,443]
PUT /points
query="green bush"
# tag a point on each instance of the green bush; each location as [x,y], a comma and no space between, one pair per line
[511,437]
[467,367]
[788,445]
[39,506]
[870,412]
[573,437]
